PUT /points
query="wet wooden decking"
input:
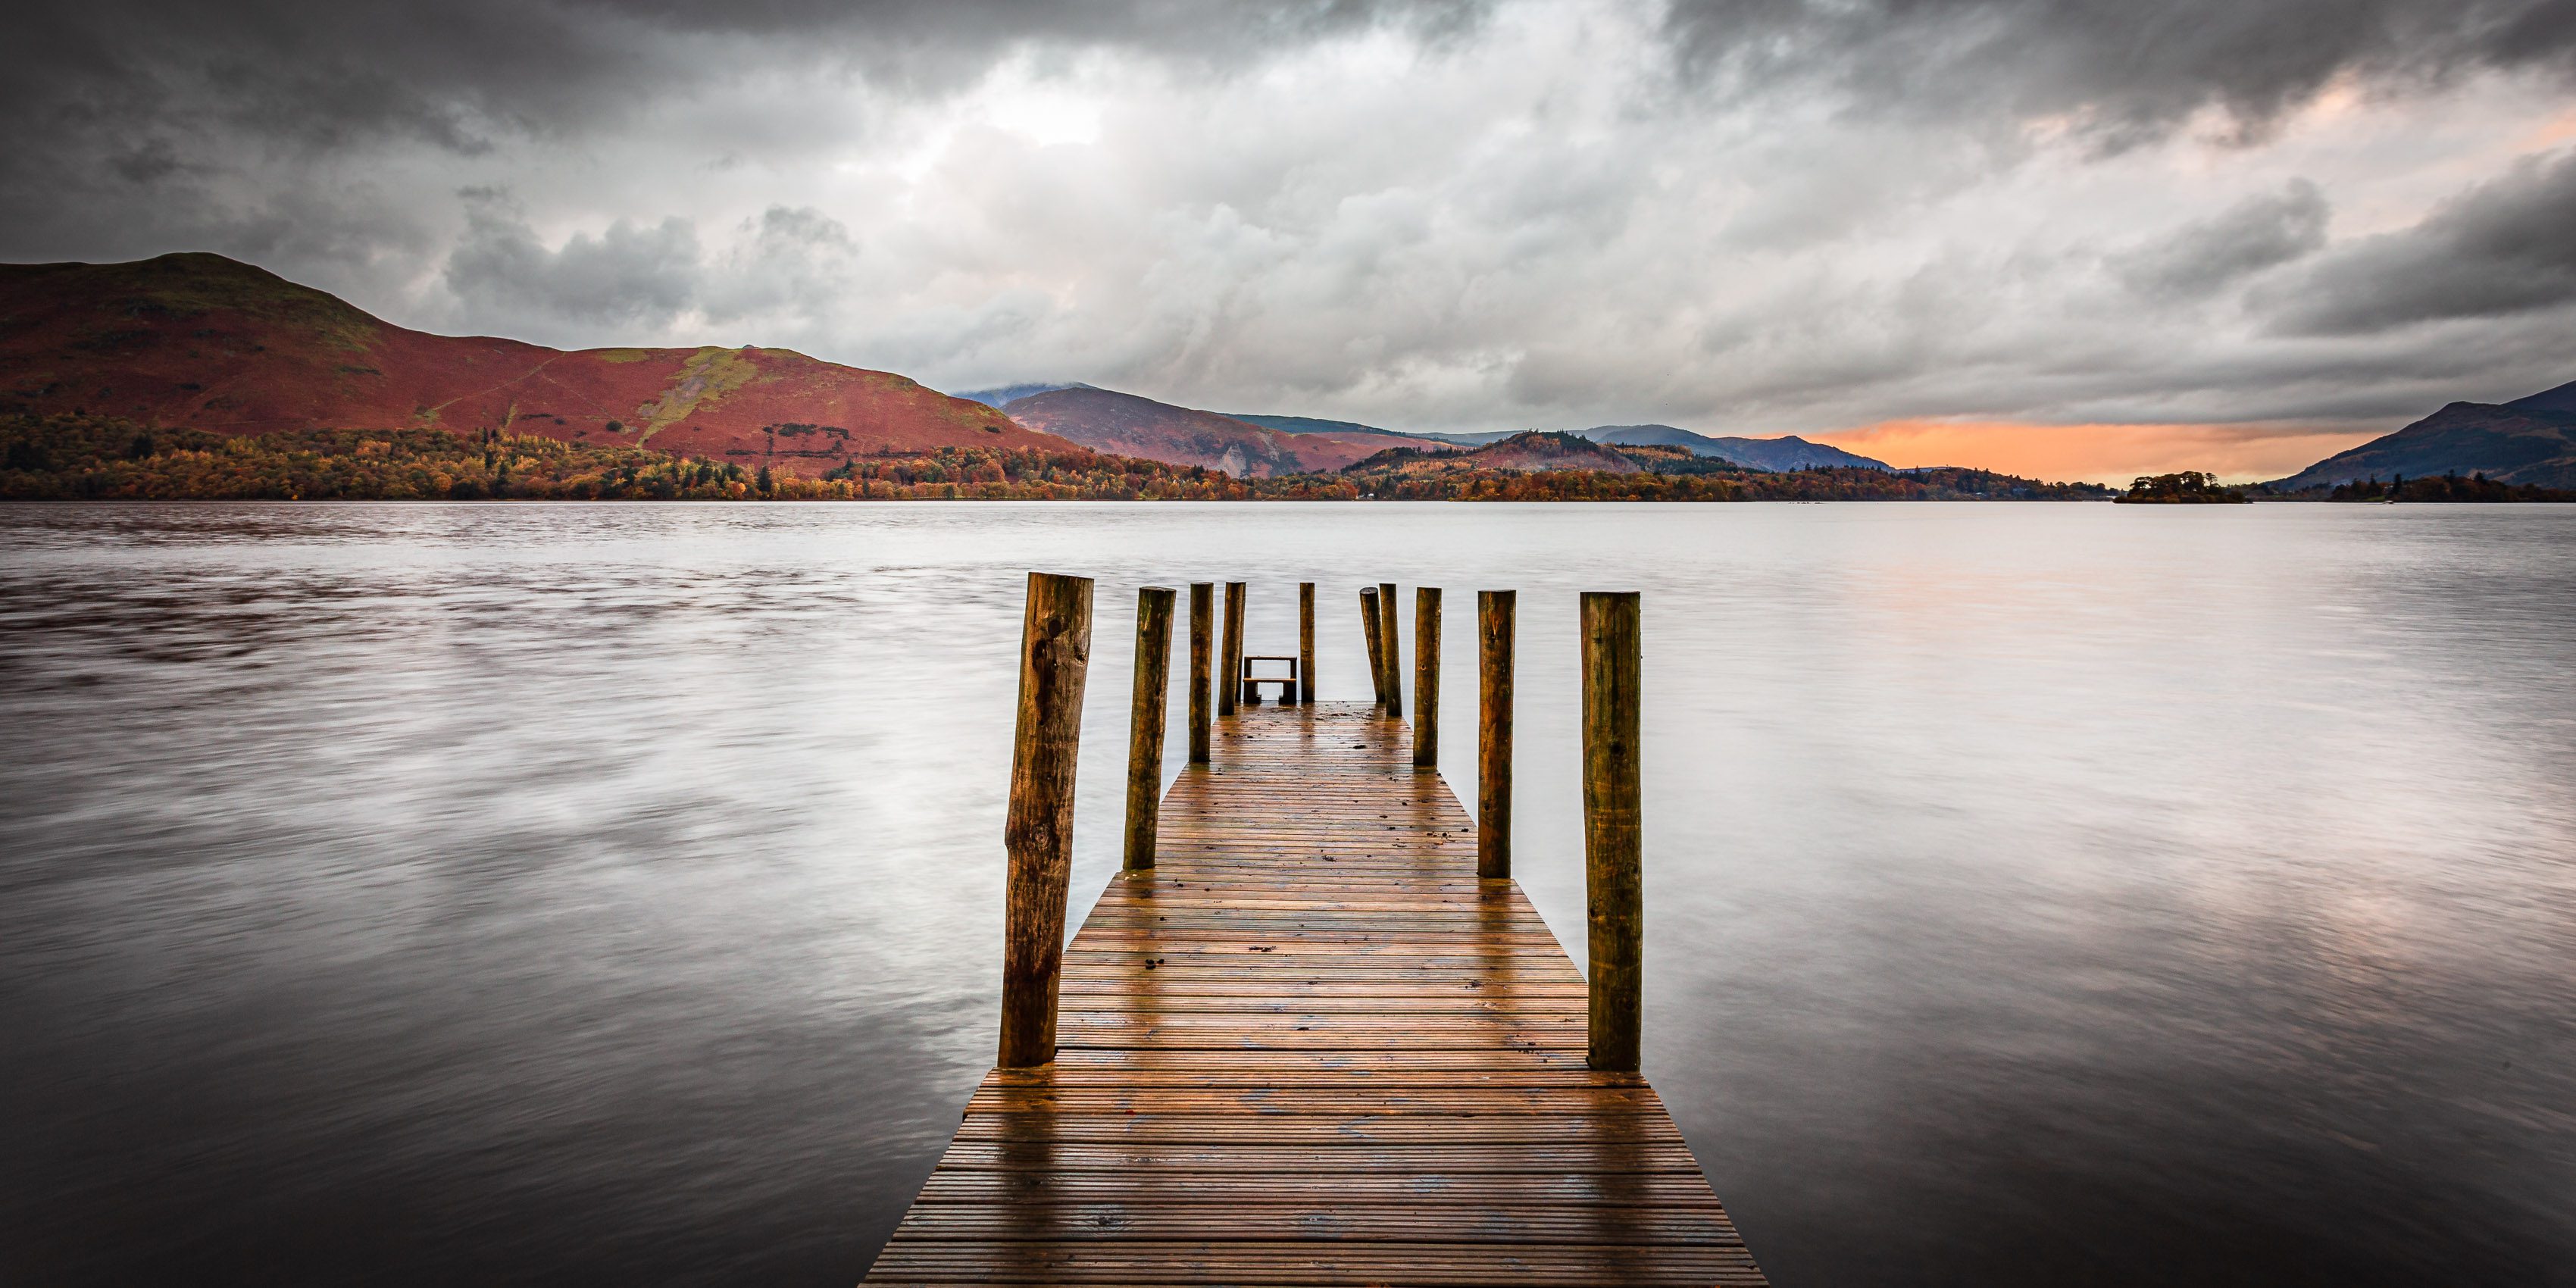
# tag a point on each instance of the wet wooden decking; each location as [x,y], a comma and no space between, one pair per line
[1310,1047]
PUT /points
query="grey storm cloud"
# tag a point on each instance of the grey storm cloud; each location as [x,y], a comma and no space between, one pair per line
[320,73]
[317,73]
[627,274]
[2124,70]
[1749,215]
[642,276]
[2255,234]
[2505,247]
[117,101]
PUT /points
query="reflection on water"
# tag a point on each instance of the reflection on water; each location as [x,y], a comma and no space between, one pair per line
[2036,894]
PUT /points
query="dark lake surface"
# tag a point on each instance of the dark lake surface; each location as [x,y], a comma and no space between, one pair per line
[2036,894]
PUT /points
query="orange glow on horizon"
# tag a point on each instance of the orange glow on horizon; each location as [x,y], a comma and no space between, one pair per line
[2100,453]
[2555,131]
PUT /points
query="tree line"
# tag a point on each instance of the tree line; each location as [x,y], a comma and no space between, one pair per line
[2476,487]
[1706,483]
[102,458]
[81,457]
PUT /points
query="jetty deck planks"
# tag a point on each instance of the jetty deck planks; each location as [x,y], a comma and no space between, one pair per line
[1309,1046]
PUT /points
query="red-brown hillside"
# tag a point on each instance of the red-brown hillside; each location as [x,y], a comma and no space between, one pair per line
[1108,421]
[1535,451]
[203,341]
[1524,453]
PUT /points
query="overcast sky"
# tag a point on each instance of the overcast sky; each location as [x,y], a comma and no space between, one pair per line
[2075,236]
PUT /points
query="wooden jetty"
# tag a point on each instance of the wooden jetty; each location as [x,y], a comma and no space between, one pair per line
[1314,1033]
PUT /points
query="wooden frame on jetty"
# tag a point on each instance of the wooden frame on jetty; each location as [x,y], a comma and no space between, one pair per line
[1376,636]
[1305,641]
[1426,677]
[1229,683]
[1145,724]
[1497,632]
[1202,653]
[1391,649]
[1315,1040]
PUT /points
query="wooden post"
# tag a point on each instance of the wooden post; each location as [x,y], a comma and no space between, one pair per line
[1306,643]
[1391,627]
[1146,720]
[1495,628]
[1613,842]
[1229,680]
[1376,634]
[1055,657]
[1243,669]
[1202,648]
[1426,677]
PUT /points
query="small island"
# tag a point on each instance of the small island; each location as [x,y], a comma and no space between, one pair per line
[2190,487]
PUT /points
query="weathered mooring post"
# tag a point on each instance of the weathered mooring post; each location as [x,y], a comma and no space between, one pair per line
[1376,633]
[1146,718]
[1495,627]
[1229,683]
[1055,657]
[1243,604]
[1202,648]
[1251,696]
[1426,677]
[1613,838]
[1306,643]
[1389,626]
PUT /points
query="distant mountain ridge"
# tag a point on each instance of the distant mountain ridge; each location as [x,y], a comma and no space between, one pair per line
[1525,451]
[2530,440]
[200,341]
[1782,455]
[2562,398]
[1478,439]
[1545,465]
[1785,454]
[1313,425]
[1268,443]
[1131,425]
[1003,395]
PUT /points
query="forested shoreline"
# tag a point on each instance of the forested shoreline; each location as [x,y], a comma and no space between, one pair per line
[68,458]
[96,458]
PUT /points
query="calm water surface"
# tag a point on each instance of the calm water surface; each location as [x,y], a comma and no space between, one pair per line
[2036,894]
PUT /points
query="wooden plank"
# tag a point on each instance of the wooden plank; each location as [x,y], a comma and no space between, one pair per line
[1391,1222]
[1318,1262]
[1310,1045]
[1421,1191]
[1315,1098]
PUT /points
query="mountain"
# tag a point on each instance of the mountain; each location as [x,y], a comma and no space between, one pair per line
[1780,455]
[1540,466]
[1529,451]
[1344,429]
[1304,424]
[1482,439]
[1109,421]
[1002,395]
[1536,451]
[2527,441]
[1786,453]
[2562,398]
[201,341]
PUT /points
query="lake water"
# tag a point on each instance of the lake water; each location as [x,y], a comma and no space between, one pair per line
[2036,894]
